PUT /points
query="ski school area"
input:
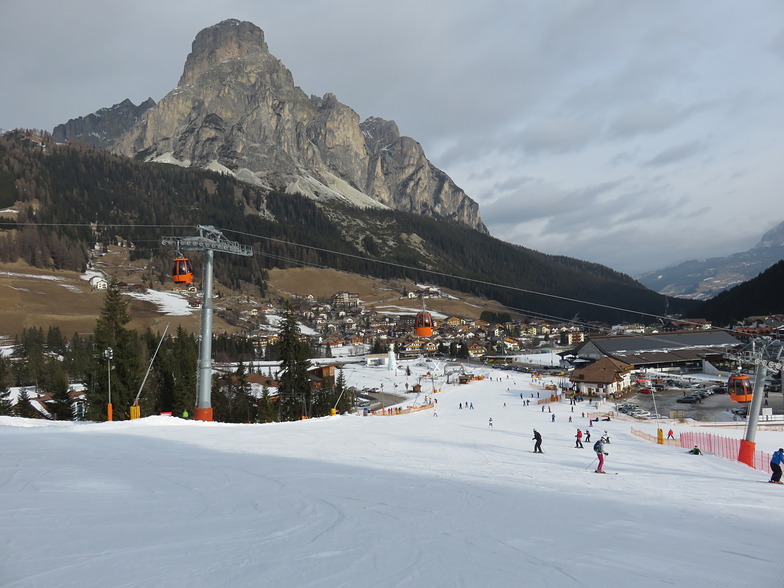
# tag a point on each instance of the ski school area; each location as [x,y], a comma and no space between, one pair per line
[444,489]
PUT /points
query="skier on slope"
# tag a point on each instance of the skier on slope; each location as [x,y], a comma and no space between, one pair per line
[598,447]
[538,444]
[587,436]
[579,437]
[775,465]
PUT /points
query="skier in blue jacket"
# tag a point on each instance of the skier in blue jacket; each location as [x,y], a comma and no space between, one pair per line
[775,464]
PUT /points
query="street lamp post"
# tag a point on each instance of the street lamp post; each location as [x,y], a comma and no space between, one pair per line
[109,354]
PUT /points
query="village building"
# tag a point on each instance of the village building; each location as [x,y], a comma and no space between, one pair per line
[661,351]
[602,378]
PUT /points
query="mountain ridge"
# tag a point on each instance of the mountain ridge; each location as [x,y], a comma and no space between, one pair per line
[68,196]
[702,279]
[237,110]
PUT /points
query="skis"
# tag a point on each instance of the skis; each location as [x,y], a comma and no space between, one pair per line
[598,472]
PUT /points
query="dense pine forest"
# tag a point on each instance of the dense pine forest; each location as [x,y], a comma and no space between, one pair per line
[72,196]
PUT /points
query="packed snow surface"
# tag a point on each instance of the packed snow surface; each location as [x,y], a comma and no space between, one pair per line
[412,500]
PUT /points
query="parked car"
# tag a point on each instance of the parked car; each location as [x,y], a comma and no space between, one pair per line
[645,391]
[688,400]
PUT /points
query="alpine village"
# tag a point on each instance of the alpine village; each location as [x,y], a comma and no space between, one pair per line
[297,238]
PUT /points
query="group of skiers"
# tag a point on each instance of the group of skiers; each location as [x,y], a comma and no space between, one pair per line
[775,462]
[598,447]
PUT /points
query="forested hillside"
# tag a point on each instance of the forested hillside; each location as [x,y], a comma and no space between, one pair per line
[59,190]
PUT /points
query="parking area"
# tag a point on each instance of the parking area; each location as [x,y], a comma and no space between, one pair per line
[716,407]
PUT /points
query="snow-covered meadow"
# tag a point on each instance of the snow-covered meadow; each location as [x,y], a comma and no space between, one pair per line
[408,500]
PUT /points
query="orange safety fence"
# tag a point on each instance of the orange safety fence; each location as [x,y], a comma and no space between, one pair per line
[725,447]
[396,410]
[654,438]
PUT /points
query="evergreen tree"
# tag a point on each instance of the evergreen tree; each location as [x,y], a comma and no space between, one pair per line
[265,411]
[60,407]
[344,396]
[231,398]
[127,363]
[6,404]
[294,391]
[24,407]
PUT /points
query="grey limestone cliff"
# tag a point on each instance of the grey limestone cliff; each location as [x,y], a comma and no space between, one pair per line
[102,128]
[237,109]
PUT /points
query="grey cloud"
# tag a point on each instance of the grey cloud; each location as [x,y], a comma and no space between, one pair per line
[555,135]
[776,45]
[675,154]
[645,118]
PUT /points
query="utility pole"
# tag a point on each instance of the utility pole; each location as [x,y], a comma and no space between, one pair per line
[209,240]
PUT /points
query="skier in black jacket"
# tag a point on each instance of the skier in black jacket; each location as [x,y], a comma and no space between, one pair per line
[538,444]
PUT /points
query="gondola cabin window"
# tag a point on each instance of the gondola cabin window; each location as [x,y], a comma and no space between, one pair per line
[182,271]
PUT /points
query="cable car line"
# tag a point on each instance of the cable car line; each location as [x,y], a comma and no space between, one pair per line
[367,259]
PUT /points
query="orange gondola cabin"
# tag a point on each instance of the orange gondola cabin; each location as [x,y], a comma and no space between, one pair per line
[182,271]
[739,388]
[423,325]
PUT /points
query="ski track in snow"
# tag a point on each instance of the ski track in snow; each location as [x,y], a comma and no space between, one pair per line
[402,501]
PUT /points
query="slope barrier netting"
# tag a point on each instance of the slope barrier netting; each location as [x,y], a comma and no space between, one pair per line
[725,447]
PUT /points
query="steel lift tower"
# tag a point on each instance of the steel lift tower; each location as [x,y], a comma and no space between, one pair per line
[765,354]
[208,240]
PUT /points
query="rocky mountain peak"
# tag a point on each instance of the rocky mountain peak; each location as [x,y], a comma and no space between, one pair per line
[238,110]
[379,131]
[103,127]
[230,39]
[773,238]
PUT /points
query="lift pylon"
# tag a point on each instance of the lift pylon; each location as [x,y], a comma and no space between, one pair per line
[208,240]
[765,354]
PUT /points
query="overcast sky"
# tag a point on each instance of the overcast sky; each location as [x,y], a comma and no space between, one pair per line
[630,133]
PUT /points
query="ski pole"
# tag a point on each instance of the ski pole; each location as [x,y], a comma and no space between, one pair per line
[590,464]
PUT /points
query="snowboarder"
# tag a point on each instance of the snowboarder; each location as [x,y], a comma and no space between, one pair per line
[775,464]
[579,437]
[670,434]
[538,444]
[695,451]
[598,447]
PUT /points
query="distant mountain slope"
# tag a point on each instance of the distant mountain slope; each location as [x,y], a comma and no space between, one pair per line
[60,189]
[702,279]
[759,296]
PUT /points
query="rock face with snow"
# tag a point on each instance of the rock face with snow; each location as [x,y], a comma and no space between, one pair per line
[237,109]
[102,128]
